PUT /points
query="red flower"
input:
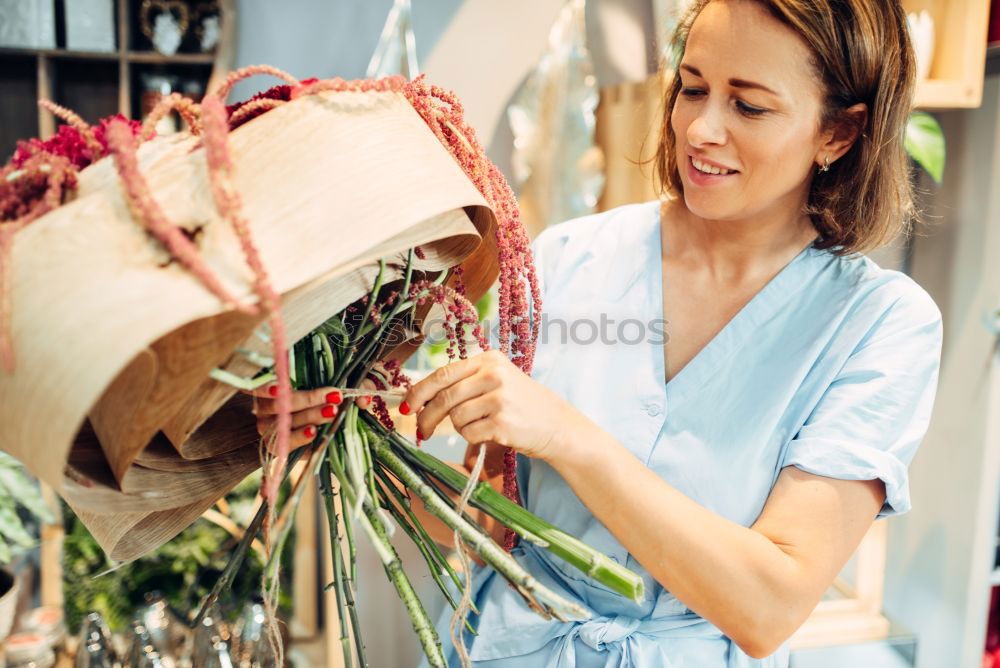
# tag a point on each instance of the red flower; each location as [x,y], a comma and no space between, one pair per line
[281,92]
[68,143]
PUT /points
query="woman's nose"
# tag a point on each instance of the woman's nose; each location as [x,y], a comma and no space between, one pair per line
[708,127]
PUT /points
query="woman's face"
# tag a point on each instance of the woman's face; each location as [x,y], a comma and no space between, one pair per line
[749,102]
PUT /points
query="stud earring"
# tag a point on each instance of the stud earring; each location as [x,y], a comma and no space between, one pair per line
[825,167]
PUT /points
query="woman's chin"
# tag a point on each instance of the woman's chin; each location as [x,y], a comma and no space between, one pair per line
[707,208]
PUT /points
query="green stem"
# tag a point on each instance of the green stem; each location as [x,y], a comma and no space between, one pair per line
[577,553]
[534,592]
[326,490]
[432,545]
[386,321]
[425,552]
[394,571]
[239,554]
[275,560]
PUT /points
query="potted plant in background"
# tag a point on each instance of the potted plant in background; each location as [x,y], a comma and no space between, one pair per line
[924,141]
[19,494]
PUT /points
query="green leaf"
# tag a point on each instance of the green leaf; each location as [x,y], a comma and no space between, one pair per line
[15,482]
[7,461]
[10,524]
[484,304]
[924,141]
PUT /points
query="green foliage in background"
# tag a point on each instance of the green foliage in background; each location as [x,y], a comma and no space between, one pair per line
[924,141]
[18,490]
[183,570]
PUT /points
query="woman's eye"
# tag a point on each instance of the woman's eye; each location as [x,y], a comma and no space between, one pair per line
[748,110]
[744,108]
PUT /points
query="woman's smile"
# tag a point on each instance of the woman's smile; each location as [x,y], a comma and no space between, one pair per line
[700,178]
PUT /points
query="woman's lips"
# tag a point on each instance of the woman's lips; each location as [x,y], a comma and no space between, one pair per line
[703,179]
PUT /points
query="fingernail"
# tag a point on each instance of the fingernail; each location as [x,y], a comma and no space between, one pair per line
[404,408]
[420,437]
[329,411]
[273,390]
[310,431]
[334,397]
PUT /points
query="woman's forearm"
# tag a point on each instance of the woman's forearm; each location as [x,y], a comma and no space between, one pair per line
[734,577]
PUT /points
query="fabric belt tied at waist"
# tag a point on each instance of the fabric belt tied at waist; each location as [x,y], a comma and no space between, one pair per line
[604,633]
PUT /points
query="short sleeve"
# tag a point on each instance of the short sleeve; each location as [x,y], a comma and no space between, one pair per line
[873,416]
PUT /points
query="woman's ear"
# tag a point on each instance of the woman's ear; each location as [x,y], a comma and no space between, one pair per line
[849,128]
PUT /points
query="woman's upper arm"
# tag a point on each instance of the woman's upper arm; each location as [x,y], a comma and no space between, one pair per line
[847,465]
[818,522]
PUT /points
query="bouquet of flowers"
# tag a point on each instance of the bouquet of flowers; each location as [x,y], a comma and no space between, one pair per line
[262,327]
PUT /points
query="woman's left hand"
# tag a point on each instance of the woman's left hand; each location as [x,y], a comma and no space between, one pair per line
[488,398]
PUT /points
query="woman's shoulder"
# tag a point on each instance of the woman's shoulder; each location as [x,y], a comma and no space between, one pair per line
[879,296]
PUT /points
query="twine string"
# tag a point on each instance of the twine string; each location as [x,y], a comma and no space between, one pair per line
[465,603]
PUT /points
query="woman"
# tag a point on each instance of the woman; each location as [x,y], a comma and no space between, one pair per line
[738,466]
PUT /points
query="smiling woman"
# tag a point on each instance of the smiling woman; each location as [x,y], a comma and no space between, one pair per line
[736,467]
[795,84]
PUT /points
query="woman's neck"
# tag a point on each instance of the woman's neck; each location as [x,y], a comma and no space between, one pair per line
[731,252]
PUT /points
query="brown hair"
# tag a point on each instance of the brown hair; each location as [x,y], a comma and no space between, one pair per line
[861,52]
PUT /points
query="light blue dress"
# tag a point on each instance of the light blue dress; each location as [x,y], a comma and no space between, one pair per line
[832,367]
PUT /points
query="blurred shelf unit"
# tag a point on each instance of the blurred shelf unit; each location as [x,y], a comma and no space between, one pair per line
[124,78]
[955,80]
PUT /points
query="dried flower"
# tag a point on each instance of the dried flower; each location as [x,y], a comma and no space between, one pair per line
[80,144]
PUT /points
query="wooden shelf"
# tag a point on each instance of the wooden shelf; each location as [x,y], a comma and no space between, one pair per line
[177,58]
[130,56]
[97,83]
[59,53]
[956,73]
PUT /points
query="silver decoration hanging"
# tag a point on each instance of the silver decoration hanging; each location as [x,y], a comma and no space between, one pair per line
[208,646]
[396,51]
[163,630]
[95,647]
[558,169]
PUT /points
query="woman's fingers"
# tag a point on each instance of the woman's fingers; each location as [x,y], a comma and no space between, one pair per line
[314,416]
[301,399]
[266,404]
[455,400]
[364,402]
[310,416]
[442,377]
[493,465]
[297,438]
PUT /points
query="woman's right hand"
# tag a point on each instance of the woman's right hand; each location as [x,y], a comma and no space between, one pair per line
[310,408]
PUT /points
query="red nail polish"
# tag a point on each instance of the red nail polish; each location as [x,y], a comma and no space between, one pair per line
[273,390]
[310,431]
[334,397]
[420,437]
[329,411]
[404,408]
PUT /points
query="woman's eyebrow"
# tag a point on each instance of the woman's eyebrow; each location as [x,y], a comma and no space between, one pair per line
[735,83]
